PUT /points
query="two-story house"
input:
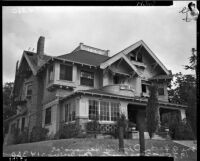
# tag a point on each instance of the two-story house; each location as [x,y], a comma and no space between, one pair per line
[51,91]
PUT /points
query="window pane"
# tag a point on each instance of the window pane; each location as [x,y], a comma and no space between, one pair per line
[51,73]
[29,90]
[161,91]
[48,116]
[93,109]
[114,111]
[104,111]
[144,88]
[87,78]
[65,72]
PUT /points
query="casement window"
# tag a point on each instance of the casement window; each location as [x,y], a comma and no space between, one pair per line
[93,109]
[87,78]
[104,111]
[114,111]
[161,91]
[66,72]
[48,116]
[107,111]
[50,74]
[70,113]
[23,123]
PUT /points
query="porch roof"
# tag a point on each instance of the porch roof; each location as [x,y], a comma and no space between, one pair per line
[135,99]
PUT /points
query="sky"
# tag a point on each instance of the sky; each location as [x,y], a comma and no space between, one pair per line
[109,28]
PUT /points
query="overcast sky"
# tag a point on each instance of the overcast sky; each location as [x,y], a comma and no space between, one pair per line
[109,28]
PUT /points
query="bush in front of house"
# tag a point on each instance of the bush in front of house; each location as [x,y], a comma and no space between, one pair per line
[69,131]
[38,134]
[22,137]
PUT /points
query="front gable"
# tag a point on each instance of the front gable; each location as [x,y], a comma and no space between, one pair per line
[150,61]
[117,58]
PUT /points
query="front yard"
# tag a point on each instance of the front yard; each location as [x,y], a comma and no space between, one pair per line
[101,147]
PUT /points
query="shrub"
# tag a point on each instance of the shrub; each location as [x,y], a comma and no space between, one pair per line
[38,134]
[69,131]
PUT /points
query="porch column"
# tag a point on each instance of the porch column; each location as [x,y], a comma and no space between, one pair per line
[123,109]
[183,115]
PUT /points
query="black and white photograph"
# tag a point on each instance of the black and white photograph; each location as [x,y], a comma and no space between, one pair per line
[100,81]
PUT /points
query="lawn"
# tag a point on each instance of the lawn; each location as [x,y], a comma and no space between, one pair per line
[101,147]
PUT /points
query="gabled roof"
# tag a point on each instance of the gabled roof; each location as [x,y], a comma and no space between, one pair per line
[31,59]
[117,57]
[85,57]
[132,47]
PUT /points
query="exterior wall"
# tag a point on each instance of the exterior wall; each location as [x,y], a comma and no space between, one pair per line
[55,117]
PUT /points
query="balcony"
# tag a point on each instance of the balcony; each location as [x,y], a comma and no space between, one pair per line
[120,89]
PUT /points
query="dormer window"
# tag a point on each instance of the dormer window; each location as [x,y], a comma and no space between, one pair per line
[66,72]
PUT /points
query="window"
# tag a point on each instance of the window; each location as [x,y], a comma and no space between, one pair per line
[23,123]
[116,79]
[87,78]
[51,73]
[93,109]
[133,57]
[108,111]
[104,111]
[144,88]
[17,123]
[28,90]
[65,72]
[70,113]
[161,91]
[48,116]
[139,57]
[114,111]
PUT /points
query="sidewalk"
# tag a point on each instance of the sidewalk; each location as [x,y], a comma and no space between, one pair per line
[188,143]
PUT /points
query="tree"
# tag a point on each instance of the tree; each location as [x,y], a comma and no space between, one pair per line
[185,93]
[152,111]
[7,108]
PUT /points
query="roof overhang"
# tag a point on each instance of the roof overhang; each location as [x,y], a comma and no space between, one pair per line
[135,99]
[115,58]
[132,47]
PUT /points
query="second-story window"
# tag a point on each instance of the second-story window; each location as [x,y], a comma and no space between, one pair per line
[65,72]
[144,88]
[87,78]
[161,91]
[28,90]
[50,73]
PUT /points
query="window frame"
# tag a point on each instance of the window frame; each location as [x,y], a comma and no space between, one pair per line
[66,65]
[50,114]
[98,104]
[92,78]
[70,115]
[163,90]
[51,77]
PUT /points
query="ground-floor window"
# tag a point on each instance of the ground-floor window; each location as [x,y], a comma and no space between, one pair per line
[107,111]
[93,109]
[70,113]
[48,116]
[23,123]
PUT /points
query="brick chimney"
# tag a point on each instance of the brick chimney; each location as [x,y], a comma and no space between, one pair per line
[40,50]
[40,45]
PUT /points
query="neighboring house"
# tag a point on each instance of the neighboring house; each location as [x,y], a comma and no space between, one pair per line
[52,91]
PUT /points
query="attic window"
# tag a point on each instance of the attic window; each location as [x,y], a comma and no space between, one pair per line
[139,57]
[133,57]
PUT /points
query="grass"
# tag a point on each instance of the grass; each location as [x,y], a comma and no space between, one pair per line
[101,147]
